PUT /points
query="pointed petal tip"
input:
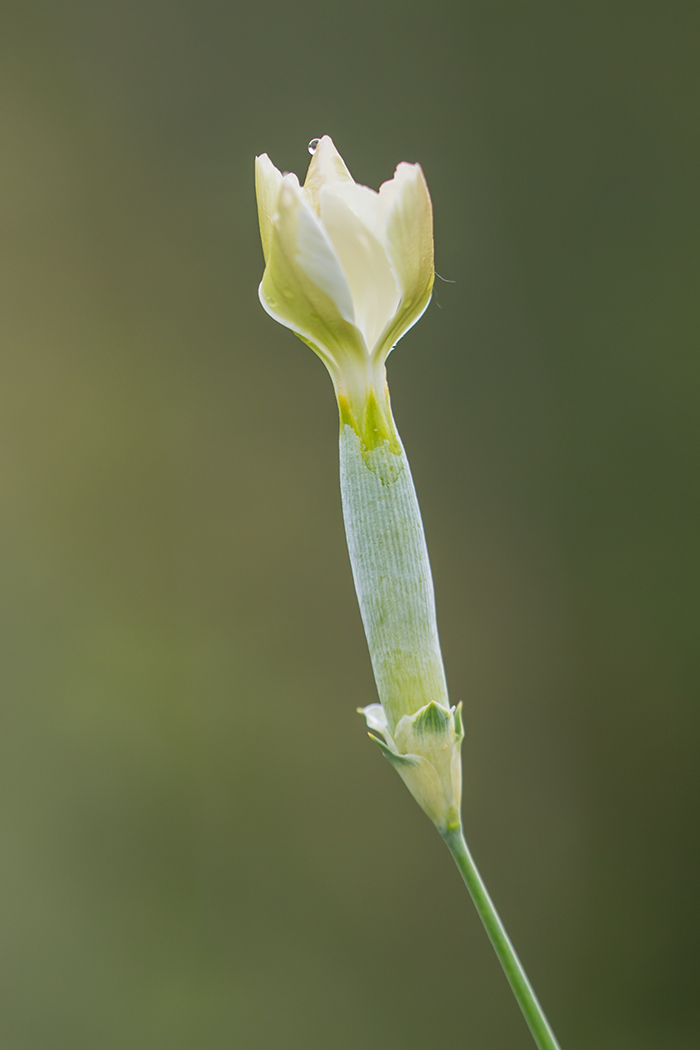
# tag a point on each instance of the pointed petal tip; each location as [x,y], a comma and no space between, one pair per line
[264,164]
[405,174]
[289,183]
[327,166]
[325,143]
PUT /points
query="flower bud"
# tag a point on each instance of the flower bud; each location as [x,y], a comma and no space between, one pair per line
[425,751]
[349,270]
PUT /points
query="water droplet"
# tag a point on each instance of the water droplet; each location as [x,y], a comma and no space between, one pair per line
[312,146]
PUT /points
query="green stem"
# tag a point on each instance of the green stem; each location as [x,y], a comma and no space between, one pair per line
[517,978]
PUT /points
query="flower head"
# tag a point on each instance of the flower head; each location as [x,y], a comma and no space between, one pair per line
[348,269]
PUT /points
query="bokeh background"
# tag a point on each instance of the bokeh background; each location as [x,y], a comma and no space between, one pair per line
[200,848]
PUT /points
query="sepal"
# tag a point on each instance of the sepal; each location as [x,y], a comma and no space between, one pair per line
[394,757]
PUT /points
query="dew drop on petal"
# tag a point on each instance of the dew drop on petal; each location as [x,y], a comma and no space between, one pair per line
[312,146]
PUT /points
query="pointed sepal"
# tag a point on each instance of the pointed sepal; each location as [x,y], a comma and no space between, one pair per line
[394,757]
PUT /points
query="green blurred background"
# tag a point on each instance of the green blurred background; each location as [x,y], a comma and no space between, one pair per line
[200,848]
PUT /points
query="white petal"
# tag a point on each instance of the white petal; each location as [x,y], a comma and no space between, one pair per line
[376,718]
[409,234]
[314,251]
[409,243]
[366,204]
[364,260]
[267,187]
[304,287]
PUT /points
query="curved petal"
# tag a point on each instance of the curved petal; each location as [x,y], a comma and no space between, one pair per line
[267,188]
[375,716]
[317,258]
[304,287]
[409,241]
[364,260]
[367,205]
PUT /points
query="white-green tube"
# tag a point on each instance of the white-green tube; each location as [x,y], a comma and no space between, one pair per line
[392,577]
[421,732]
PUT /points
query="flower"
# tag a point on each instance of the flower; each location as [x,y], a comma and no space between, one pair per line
[349,270]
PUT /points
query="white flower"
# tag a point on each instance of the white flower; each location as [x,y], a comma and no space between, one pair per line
[348,269]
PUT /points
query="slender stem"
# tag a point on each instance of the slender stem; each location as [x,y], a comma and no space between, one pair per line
[517,978]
